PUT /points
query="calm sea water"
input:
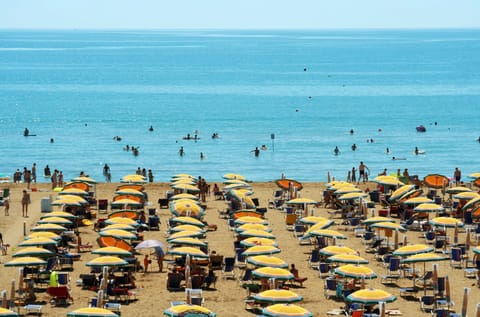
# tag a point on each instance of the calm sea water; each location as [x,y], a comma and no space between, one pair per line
[308,88]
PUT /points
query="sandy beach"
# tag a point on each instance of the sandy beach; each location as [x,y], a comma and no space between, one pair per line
[228,297]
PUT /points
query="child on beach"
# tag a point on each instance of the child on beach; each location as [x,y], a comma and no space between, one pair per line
[146,262]
[6,205]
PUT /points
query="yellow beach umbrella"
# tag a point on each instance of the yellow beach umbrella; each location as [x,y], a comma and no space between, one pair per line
[184,251]
[326,233]
[185,234]
[376,219]
[183,196]
[252,226]
[43,234]
[73,191]
[466,195]
[257,233]
[91,312]
[187,221]
[186,228]
[347,189]
[428,207]
[402,190]
[84,179]
[186,188]
[119,226]
[352,196]
[335,249]
[107,260]
[457,190]
[188,310]
[349,258]
[371,296]
[321,225]
[388,225]
[250,219]
[337,184]
[49,227]
[133,178]
[388,180]
[273,272]
[55,220]
[181,181]
[355,271]
[302,201]
[277,296]
[121,220]
[117,233]
[7,312]
[112,251]
[409,250]
[261,250]
[129,191]
[37,242]
[188,242]
[446,222]
[312,220]
[471,203]
[418,201]
[265,260]
[286,310]
[253,241]
[26,261]
[62,214]
[32,251]
[125,202]
[233,176]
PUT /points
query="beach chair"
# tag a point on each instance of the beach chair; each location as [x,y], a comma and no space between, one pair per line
[330,288]
[60,296]
[299,230]
[240,259]
[228,268]
[65,263]
[427,303]
[216,262]
[153,223]
[430,237]
[425,280]
[456,259]
[195,295]
[472,272]
[324,270]
[102,206]
[197,280]
[113,307]
[174,281]
[89,281]
[290,220]
[33,309]
[314,259]
[393,271]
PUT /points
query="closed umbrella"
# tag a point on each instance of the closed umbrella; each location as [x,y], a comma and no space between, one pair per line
[466,290]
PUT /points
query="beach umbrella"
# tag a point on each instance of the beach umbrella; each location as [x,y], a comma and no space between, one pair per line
[252,226]
[347,258]
[230,187]
[261,250]
[273,272]
[114,242]
[286,310]
[255,241]
[107,260]
[471,203]
[246,213]
[370,296]
[337,184]
[185,234]
[187,221]
[26,261]
[180,228]
[188,310]
[119,226]
[66,202]
[347,189]
[257,233]
[84,179]
[355,271]
[55,220]
[146,244]
[418,200]
[117,233]
[466,290]
[125,202]
[412,249]
[312,220]
[76,184]
[436,181]
[275,296]
[133,178]
[61,214]
[457,190]
[91,312]
[235,181]
[466,195]
[335,249]
[181,181]
[286,184]
[186,188]
[410,194]
[43,234]
[302,201]
[73,191]
[184,251]
[112,251]
[130,191]
[7,312]
[234,176]
[402,190]
[265,260]
[388,180]
[183,175]
[373,220]
[388,225]
[428,207]
[250,219]
[188,242]
[121,220]
[32,251]
[183,196]
[423,257]
[352,196]
[446,222]
[184,207]
[37,242]
[327,233]
[49,227]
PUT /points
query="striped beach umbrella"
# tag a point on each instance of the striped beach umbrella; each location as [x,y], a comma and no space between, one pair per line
[43,234]
[355,271]
[336,249]
[250,219]
[275,296]
[402,190]
[253,226]
[352,196]
[180,228]
[188,310]
[413,249]
[254,241]
[466,195]
[119,226]
[117,233]
[327,233]
[121,220]
[91,312]
[112,251]
[348,258]
[55,220]
[107,260]
[418,200]
[265,260]
[446,222]
[61,214]
[312,220]
[187,221]
[371,296]
[257,233]
[185,234]
[4,312]
[273,272]
[26,261]
[184,251]
[388,225]
[376,219]
[428,207]
[183,196]
[37,242]
[49,227]
[188,242]
[261,250]
[32,251]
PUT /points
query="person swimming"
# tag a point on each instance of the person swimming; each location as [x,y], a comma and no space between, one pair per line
[150,129]
[336,151]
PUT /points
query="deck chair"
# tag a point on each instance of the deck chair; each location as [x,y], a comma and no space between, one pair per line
[153,223]
[393,271]
[472,272]
[174,281]
[102,206]
[299,230]
[456,259]
[240,259]
[197,281]
[216,262]
[89,281]
[427,303]
[228,268]
[425,280]
[323,269]
[430,237]
[65,263]
[330,288]
[163,203]
[59,295]
[314,259]
[113,307]
[195,295]
[290,220]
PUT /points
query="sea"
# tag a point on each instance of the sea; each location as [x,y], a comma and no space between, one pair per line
[294,94]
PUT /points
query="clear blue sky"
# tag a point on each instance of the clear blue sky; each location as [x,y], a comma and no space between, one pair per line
[239,14]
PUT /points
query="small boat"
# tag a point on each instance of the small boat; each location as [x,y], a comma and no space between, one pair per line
[421,128]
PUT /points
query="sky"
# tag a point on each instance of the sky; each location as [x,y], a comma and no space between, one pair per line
[239,14]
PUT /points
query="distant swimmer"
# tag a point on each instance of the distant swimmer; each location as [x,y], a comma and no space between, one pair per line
[26,132]
[202,156]
[264,147]
[150,129]
[304,69]
[215,135]
[416,151]
[351,131]
[117,138]
[256,151]
[181,152]
[398,158]
[52,140]
[354,147]
[388,150]
[478,140]
[336,151]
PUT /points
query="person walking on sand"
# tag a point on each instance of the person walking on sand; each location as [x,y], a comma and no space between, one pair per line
[362,168]
[160,255]
[6,205]
[25,203]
